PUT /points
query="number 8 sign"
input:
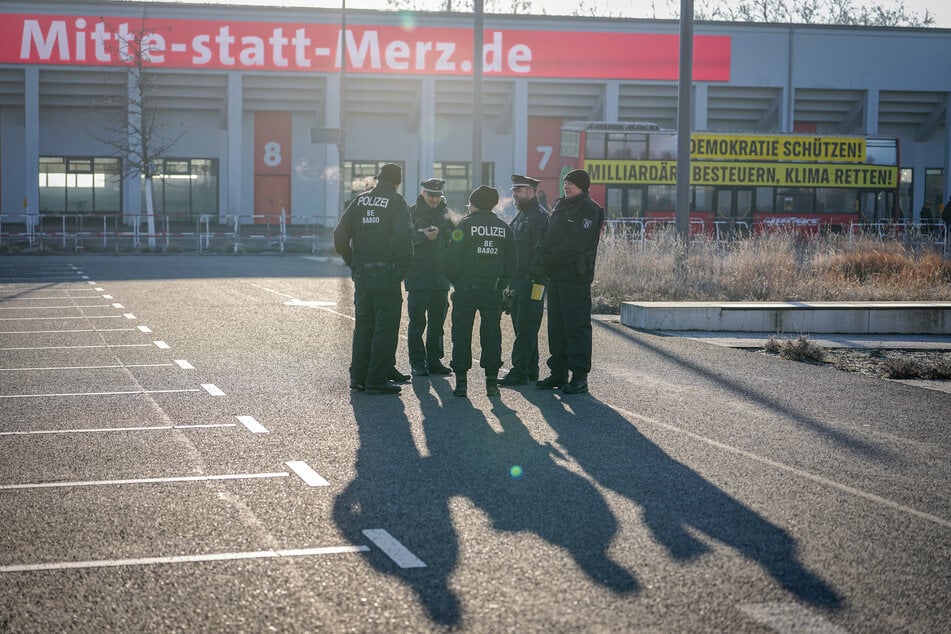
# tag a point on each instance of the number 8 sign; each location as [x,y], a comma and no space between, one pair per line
[272,154]
[272,142]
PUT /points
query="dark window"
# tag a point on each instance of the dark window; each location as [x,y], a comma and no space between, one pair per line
[80,185]
[459,182]
[570,143]
[934,186]
[185,187]
[795,200]
[594,145]
[627,146]
[361,175]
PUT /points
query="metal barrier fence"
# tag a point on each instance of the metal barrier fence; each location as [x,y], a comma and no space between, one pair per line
[631,229]
[258,233]
[925,233]
[229,233]
[641,226]
[639,230]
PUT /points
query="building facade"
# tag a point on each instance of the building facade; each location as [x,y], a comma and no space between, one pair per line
[252,110]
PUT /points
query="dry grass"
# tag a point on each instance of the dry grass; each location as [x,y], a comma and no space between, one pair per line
[773,267]
[938,369]
[800,349]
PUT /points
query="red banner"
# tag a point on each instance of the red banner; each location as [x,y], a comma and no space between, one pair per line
[235,45]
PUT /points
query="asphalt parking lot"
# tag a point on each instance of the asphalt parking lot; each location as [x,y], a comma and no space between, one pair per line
[179,451]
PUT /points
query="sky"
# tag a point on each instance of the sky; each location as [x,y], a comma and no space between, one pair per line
[939,9]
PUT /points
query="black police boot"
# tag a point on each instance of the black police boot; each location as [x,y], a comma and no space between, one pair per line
[396,376]
[578,384]
[492,383]
[436,367]
[419,369]
[385,388]
[514,377]
[552,382]
[461,385]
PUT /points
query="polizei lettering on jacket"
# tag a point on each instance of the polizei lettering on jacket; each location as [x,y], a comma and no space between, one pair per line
[373,201]
[483,231]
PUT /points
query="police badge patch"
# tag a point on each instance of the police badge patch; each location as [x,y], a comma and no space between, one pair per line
[586,224]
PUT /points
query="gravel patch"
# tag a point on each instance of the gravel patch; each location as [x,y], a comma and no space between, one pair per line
[932,365]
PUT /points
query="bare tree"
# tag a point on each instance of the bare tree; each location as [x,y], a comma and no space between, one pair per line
[513,7]
[843,12]
[138,137]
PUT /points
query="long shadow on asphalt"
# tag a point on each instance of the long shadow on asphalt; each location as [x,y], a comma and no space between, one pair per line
[509,476]
[674,498]
[843,439]
[521,487]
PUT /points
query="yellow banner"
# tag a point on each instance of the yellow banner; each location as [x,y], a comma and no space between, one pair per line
[744,174]
[739,147]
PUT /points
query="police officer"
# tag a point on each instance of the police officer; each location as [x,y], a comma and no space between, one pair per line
[375,239]
[426,284]
[528,226]
[480,259]
[566,257]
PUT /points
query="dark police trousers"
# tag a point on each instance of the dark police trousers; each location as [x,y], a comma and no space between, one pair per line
[569,327]
[526,320]
[465,302]
[377,302]
[427,311]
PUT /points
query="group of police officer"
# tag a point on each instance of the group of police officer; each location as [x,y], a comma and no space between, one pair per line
[488,265]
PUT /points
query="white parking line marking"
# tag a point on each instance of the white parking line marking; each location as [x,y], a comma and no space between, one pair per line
[393,549]
[47,332]
[183,559]
[40,432]
[128,315]
[306,473]
[89,483]
[272,291]
[784,467]
[41,277]
[90,367]
[90,283]
[296,301]
[162,345]
[144,329]
[134,392]
[85,277]
[100,289]
[789,617]
[184,365]
[61,318]
[212,389]
[7,298]
[253,426]
[34,290]
[309,304]
[116,305]
[70,307]
[105,345]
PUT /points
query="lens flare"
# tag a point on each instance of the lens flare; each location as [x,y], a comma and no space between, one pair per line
[457,235]
[516,472]
[407,21]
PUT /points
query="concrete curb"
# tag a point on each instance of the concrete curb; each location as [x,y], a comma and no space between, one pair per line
[921,318]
